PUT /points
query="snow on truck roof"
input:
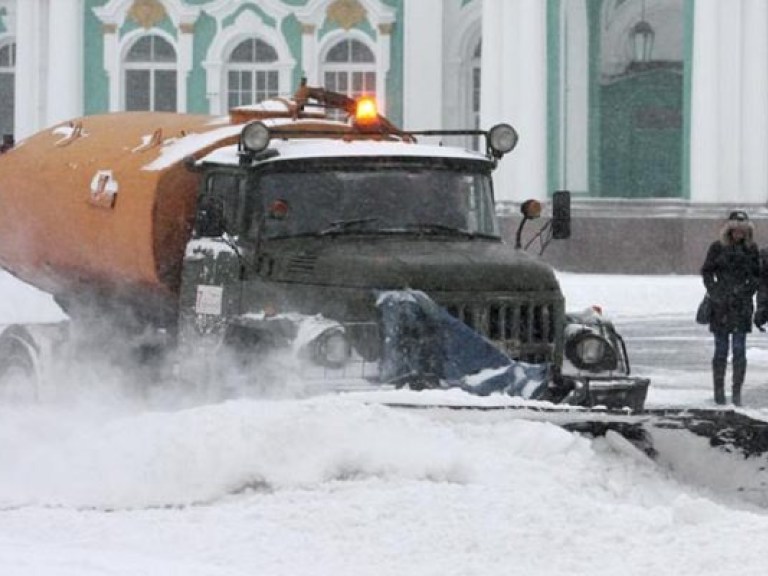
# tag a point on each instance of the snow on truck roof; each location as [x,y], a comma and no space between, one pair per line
[176,149]
[329,148]
[300,128]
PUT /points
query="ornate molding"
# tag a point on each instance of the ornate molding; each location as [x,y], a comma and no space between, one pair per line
[308,28]
[147,13]
[187,28]
[109,28]
[346,13]
[387,28]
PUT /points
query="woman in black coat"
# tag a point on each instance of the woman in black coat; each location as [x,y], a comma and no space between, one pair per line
[731,272]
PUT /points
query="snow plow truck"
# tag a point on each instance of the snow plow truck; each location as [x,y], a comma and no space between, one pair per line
[310,218]
[310,225]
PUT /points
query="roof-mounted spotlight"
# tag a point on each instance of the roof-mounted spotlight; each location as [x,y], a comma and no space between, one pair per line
[502,138]
[254,138]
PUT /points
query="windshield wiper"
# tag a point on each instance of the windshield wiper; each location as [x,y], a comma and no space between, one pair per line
[340,226]
[433,228]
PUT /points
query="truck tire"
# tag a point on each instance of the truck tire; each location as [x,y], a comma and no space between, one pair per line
[18,374]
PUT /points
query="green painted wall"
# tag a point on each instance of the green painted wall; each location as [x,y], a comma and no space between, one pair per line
[642,128]
[205,31]
[687,97]
[95,80]
[395,77]
[250,7]
[292,33]
[554,159]
[639,124]
[594,9]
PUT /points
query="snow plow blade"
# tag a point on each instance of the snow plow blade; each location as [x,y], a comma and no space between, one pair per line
[425,347]
[721,450]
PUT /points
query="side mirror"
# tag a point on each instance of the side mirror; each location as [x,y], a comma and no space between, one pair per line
[561,215]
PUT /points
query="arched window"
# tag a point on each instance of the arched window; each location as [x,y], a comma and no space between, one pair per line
[7,82]
[474,83]
[251,73]
[350,68]
[150,75]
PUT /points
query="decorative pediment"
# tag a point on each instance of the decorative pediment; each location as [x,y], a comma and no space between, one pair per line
[222,9]
[147,13]
[346,13]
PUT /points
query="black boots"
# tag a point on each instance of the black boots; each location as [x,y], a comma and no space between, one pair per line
[718,373]
[739,371]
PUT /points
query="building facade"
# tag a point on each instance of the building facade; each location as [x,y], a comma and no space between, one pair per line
[653,113]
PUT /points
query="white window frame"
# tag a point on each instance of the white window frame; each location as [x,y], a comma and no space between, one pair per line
[349,68]
[113,15]
[149,66]
[248,25]
[462,36]
[255,69]
[315,47]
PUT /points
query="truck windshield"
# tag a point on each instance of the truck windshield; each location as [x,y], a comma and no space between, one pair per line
[391,200]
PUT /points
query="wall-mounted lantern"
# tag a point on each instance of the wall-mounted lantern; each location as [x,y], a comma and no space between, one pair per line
[642,35]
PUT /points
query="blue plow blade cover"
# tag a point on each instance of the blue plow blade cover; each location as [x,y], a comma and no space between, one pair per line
[421,339]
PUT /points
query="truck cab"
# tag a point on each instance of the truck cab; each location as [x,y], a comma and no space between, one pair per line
[315,218]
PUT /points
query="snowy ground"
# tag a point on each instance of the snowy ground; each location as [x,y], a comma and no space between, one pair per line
[100,484]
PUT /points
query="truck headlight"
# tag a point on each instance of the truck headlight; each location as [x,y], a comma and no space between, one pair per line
[589,351]
[254,137]
[331,348]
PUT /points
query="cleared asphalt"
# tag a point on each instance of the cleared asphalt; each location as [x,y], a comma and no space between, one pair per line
[676,353]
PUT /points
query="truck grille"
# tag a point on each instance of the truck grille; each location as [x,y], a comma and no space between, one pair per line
[526,330]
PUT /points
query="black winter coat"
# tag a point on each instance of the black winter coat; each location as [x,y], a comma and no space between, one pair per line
[761,313]
[731,272]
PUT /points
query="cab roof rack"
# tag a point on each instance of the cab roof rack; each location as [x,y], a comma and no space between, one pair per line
[363,122]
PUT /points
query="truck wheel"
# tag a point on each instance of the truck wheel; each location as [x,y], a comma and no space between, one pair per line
[18,377]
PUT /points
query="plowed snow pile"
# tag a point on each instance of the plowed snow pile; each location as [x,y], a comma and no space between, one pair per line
[333,486]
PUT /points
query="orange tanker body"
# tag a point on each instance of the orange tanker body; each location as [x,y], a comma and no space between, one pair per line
[105,202]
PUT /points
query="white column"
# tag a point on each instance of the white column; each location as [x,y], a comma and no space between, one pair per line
[729,112]
[574,97]
[717,119]
[65,55]
[423,67]
[309,57]
[185,64]
[112,64]
[30,69]
[754,103]
[704,106]
[383,63]
[491,62]
[514,90]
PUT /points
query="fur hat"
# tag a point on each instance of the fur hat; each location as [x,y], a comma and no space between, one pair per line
[738,219]
[739,216]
